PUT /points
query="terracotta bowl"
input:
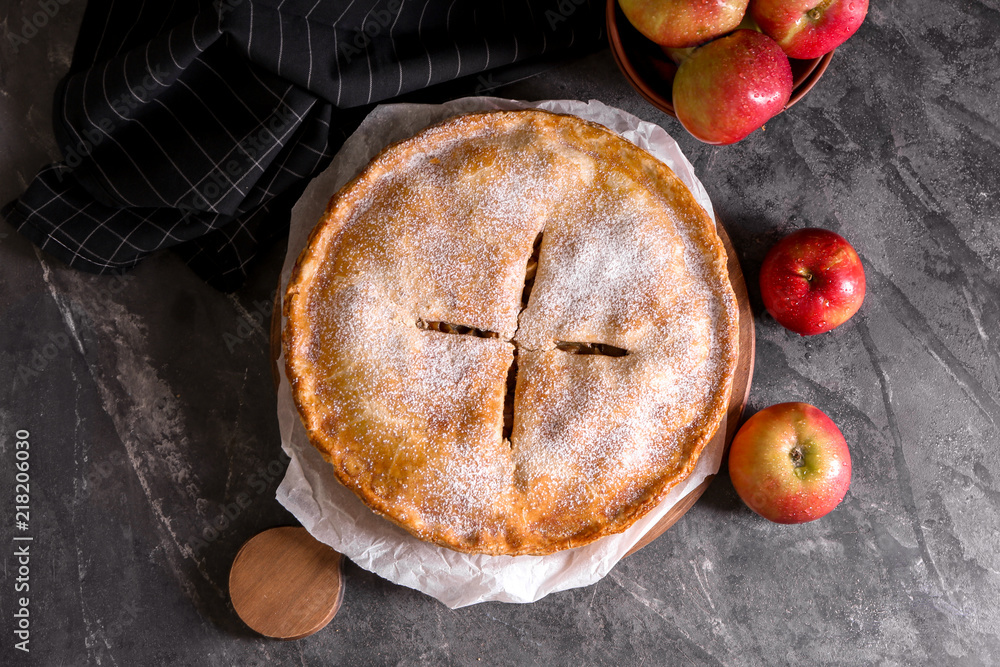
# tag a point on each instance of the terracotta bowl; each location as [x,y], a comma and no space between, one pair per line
[651,73]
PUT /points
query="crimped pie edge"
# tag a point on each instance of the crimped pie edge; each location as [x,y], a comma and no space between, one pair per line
[318,247]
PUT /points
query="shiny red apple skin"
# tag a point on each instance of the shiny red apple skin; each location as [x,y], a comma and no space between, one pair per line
[731,86]
[683,23]
[812,281]
[790,463]
[809,28]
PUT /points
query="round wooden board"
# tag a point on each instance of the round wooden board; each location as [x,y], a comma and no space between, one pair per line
[737,400]
[286,584]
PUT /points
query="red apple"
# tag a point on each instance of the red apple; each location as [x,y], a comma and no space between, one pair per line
[680,23]
[729,87]
[790,463]
[812,281]
[809,28]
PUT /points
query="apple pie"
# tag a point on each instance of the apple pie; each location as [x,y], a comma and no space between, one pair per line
[513,333]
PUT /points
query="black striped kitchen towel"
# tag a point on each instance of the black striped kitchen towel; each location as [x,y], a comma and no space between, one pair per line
[194,125]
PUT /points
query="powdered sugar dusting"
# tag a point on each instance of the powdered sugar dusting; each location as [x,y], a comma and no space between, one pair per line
[415,415]
[451,228]
[608,280]
[391,389]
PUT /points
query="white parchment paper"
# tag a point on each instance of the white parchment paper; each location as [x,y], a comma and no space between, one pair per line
[335,516]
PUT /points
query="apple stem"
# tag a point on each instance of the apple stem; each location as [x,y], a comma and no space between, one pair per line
[816,13]
[798,457]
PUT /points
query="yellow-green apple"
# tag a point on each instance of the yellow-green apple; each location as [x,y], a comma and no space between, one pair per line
[809,28]
[731,86]
[812,281]
[790,463]
[681,23]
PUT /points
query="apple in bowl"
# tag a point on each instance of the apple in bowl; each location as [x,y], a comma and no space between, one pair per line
[790,463]
[683,23]
[809,28]
[726,89]
[812,281]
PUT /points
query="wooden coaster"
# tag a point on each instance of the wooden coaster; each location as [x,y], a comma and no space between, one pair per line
[285,584]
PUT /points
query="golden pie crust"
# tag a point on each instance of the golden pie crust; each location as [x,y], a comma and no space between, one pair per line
[441,228]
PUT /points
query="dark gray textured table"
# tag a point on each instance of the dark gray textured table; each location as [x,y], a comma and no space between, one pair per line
[150,407]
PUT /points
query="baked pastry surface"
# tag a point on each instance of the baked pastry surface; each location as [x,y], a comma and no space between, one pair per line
[408,344]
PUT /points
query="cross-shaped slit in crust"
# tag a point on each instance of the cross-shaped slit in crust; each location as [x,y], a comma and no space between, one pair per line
[600,349]
[446,327]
